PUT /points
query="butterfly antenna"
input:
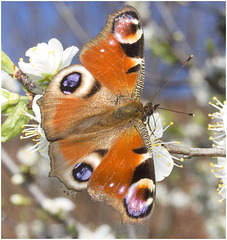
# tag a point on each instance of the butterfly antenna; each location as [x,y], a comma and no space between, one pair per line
[189,114]
[172,77]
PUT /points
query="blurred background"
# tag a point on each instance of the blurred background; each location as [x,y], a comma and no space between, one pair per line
[187,201]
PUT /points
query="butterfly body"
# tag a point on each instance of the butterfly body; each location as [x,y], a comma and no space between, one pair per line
[93,118]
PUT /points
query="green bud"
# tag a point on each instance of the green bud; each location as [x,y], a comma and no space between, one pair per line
[13,124]
[6,63]
[8,98]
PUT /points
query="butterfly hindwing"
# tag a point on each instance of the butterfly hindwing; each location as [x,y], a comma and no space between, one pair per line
[125,177]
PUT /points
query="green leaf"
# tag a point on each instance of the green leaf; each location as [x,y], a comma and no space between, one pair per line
[6,63]
[13,124]
[8,110]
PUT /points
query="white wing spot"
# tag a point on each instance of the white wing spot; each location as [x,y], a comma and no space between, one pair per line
[111,185]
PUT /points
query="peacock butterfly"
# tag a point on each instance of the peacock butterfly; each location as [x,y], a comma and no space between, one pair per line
[95,123]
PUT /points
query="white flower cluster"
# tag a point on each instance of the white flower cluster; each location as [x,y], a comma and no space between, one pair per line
[219,138]
[60,205]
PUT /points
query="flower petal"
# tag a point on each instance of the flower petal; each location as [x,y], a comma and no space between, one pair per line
[56,45]
[163,163]
[68,55]
[36,108]
[32,72]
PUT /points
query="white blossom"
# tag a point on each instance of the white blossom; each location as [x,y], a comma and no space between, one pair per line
[163,160]
[36,132]
[47,59]
[58,205]
[218,127]
[104,231]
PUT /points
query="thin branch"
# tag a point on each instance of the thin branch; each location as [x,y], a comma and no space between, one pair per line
[189,152]
[72,22]
[26,81]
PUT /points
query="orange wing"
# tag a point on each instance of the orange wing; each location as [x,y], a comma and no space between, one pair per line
[116,56]
[125,178]
[73,102]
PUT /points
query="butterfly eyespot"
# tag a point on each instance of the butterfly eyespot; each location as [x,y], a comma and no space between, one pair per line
[139,199]
[70,83]
[127,28]
[82,172]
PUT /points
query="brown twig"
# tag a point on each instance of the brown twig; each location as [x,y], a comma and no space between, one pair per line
[69,17]
[26,81]
[189,152]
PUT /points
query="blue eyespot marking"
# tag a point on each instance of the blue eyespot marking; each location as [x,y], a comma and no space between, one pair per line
[70,83]
[82,172]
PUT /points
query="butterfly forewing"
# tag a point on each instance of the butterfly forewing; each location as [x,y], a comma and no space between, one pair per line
[116,56]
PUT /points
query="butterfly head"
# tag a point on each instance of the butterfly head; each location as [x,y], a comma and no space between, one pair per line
[149,109]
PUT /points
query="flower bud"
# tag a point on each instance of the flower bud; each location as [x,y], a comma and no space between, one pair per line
[8,98]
